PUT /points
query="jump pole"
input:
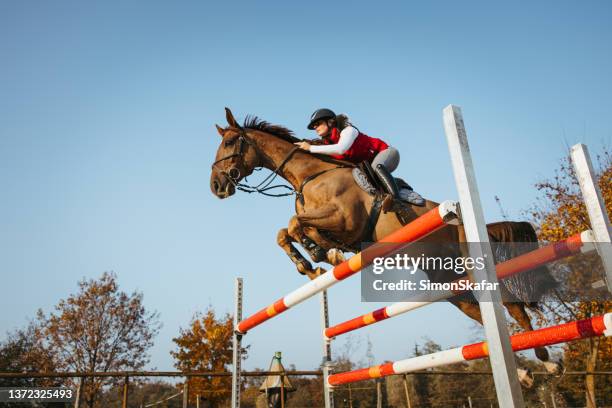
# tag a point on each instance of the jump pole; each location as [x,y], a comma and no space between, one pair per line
[503,366]
[582,329]
[582,242]
[427,223]
[596,207]
[328,397]
[237,346]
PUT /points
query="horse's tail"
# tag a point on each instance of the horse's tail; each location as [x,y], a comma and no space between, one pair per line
[510,239]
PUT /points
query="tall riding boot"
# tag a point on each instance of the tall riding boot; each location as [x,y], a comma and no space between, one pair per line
[387,180]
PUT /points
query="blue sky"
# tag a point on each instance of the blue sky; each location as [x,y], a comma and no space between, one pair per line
[107,114]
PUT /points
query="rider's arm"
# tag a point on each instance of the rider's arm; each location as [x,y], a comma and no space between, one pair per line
[347,137]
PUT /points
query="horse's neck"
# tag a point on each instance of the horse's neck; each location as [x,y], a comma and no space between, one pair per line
[299,166]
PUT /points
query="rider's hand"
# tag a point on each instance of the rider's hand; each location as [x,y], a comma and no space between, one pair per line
[303,145]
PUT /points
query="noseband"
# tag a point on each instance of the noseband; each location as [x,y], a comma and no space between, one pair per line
[233,175]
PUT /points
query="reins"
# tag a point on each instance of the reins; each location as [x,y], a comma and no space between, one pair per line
[233,175]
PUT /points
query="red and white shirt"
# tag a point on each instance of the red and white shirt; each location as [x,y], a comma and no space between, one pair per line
[350,145]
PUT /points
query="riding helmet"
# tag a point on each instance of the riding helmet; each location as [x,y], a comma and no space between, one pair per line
[320,114]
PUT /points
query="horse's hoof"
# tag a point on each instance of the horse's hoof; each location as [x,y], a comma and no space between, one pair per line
[554,367]
[311,275]
[335,256]
[318,254]
[525,377]
[304,267]
[316,273]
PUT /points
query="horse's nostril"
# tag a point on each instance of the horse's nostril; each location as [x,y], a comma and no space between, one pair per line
[216,185]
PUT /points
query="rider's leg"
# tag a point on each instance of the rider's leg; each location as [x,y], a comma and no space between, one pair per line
[383,164]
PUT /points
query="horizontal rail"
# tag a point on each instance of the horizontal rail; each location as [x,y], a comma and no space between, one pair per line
[124,374]
[154,374]
[582,329]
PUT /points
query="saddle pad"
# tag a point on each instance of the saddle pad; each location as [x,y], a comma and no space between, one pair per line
[362,181]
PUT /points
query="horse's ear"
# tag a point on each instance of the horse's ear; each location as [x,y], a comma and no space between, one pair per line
[230,119]
[220,130]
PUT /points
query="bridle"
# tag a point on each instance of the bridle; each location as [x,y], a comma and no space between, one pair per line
[233,174]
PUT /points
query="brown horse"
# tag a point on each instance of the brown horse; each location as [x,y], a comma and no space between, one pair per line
[332,212]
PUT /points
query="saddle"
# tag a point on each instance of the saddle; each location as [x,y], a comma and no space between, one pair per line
[366,179]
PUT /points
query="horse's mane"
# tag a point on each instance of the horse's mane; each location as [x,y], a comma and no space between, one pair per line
[254,123]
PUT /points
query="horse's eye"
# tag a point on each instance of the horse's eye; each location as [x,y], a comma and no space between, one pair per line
[229,142]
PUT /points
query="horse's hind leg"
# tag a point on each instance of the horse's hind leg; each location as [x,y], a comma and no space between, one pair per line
[518,313]
[472,309]
[469,308]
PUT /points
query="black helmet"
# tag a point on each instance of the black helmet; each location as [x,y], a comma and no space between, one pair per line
[320,114]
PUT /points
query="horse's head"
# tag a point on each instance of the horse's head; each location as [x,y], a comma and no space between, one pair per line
[236,158]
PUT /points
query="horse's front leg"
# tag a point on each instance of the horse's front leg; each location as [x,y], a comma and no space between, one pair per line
[307,220]
[316,253]
[334,256]
[285,241]
[326,218]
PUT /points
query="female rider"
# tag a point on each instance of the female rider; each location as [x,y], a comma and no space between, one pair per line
[343,141]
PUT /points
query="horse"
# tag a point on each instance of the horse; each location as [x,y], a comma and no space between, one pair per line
[332,214]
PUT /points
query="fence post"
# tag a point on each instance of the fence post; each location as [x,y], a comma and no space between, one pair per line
[124,402]
[282,393]
[595,206]
[406,391]
[328,396]
[509,394]
[237,345]
[186,393]
[79,392]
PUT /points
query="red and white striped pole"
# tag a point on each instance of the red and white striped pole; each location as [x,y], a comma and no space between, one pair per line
[522,263]
[582,329]
[429,222]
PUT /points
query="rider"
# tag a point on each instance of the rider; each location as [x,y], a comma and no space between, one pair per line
[343,141]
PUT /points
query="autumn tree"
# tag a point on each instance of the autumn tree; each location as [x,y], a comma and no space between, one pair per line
[560,213]
[100,328]
[206,346]
[22,352]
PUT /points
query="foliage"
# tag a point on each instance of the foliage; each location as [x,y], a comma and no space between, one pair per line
[206,346]
[561,213]
[21,352]
[100,328]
